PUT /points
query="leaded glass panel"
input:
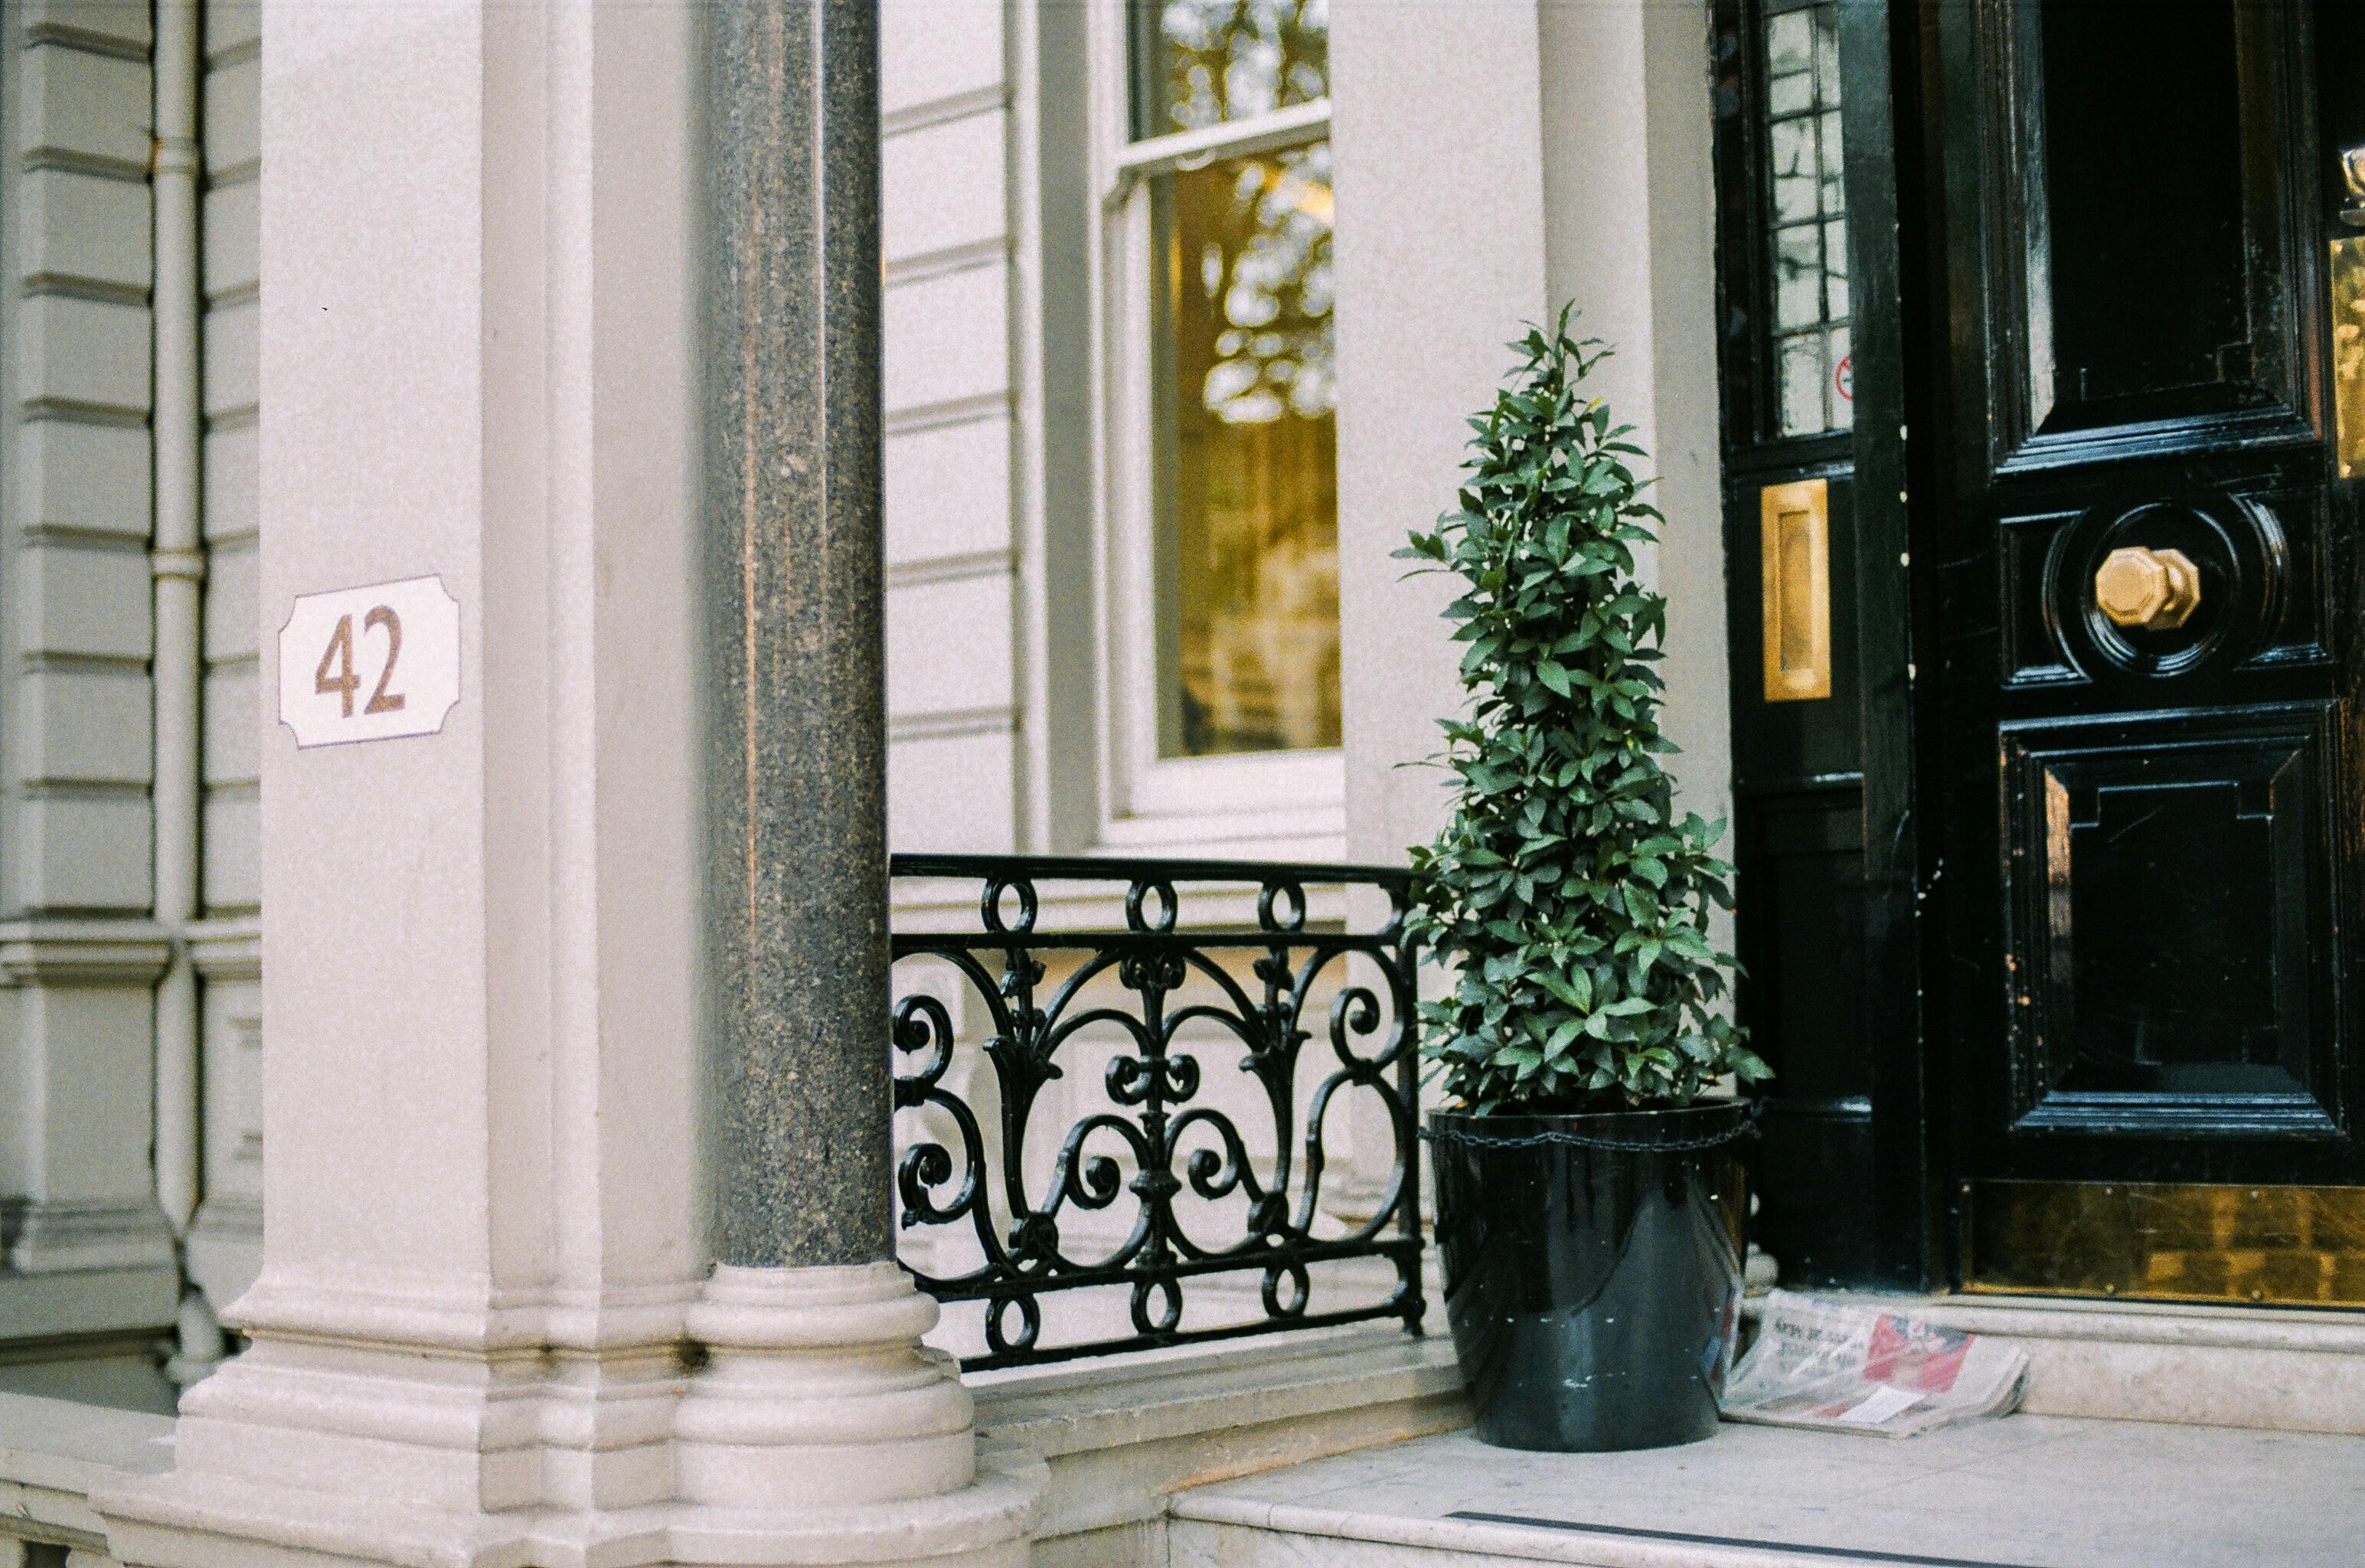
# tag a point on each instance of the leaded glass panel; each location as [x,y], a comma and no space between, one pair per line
[1806,216]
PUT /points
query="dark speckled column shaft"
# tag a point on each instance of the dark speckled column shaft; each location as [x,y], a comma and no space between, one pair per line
[796,728]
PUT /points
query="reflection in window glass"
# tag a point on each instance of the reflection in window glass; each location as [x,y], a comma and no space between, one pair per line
[1212,62]
[1248,460]
[1806,207]
[2159,297]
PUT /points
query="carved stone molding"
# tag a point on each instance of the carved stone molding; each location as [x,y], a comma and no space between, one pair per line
[83,952]
[226,949]
[40,1237]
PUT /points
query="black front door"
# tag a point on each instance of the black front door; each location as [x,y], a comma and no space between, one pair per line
[2143,759]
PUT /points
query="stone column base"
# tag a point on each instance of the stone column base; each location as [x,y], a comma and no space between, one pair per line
[983,1525]
[816,1430]
[817,1392]
[820,1424]
[156,1524]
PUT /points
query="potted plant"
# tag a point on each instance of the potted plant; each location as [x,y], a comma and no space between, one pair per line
[1589,1189]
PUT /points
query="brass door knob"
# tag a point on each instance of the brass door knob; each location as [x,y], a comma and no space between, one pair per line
[2155,590]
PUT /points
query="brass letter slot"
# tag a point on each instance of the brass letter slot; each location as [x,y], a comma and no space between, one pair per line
[2348,355]
[1795,559]
[2347,275]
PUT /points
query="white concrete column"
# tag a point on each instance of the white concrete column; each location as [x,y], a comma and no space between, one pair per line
[487,974]
[483,1211]
[1435,127]
[1630,236]
[1436,123]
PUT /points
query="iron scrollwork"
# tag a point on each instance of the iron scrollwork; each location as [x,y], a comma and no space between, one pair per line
[1154,996]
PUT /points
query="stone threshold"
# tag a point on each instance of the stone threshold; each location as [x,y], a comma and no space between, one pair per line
[2286,1369]
[2021,1492]
[1121,1437]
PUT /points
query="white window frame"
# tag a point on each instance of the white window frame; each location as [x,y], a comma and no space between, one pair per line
[1282,802]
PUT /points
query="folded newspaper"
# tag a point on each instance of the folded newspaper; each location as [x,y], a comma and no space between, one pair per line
[1845,1368]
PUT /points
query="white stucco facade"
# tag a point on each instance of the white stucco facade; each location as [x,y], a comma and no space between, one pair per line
[387,1054]
[88,1280]
[444,986]
[1478,187]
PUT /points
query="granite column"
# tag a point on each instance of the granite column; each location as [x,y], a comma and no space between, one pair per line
[817,1392]
[796,731]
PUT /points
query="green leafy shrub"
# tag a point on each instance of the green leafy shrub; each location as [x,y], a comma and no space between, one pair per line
[1571,902]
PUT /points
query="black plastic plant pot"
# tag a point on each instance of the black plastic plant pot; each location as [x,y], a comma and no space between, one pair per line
[1593,1270]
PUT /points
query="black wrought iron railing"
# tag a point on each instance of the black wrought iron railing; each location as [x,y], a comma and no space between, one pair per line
[1228,1032]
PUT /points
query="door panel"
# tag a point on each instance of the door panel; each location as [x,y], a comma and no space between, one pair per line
[2143,599]
[2163,906]
[2260,544]
[2143,228]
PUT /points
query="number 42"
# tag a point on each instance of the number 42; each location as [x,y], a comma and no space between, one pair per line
[339,654]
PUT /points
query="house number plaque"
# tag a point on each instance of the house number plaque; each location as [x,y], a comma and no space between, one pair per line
[370,664]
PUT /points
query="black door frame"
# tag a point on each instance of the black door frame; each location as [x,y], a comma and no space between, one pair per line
[1881,70]
[1872,1142]
[1912,1176]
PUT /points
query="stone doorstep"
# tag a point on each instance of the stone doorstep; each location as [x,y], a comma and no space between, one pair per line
[1122,1437]
[2258,1393]
[2289,1369]
[2019,1492]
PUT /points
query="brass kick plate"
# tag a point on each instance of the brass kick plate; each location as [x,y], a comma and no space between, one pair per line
[1794,555]
[2166,1241]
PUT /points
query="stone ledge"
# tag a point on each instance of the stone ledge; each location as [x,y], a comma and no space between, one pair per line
[47,1303]
[128,950]
[2154,1323]
[53,1451]
[217,1522]
[1121,1438]
[226,949]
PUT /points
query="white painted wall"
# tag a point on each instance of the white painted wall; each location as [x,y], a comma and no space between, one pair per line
[1479,187]
[954,436]
[76,463]
[1555,144]
[1558,151]
[1441,256]
[78,951]
[232,239]
[1630,236]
